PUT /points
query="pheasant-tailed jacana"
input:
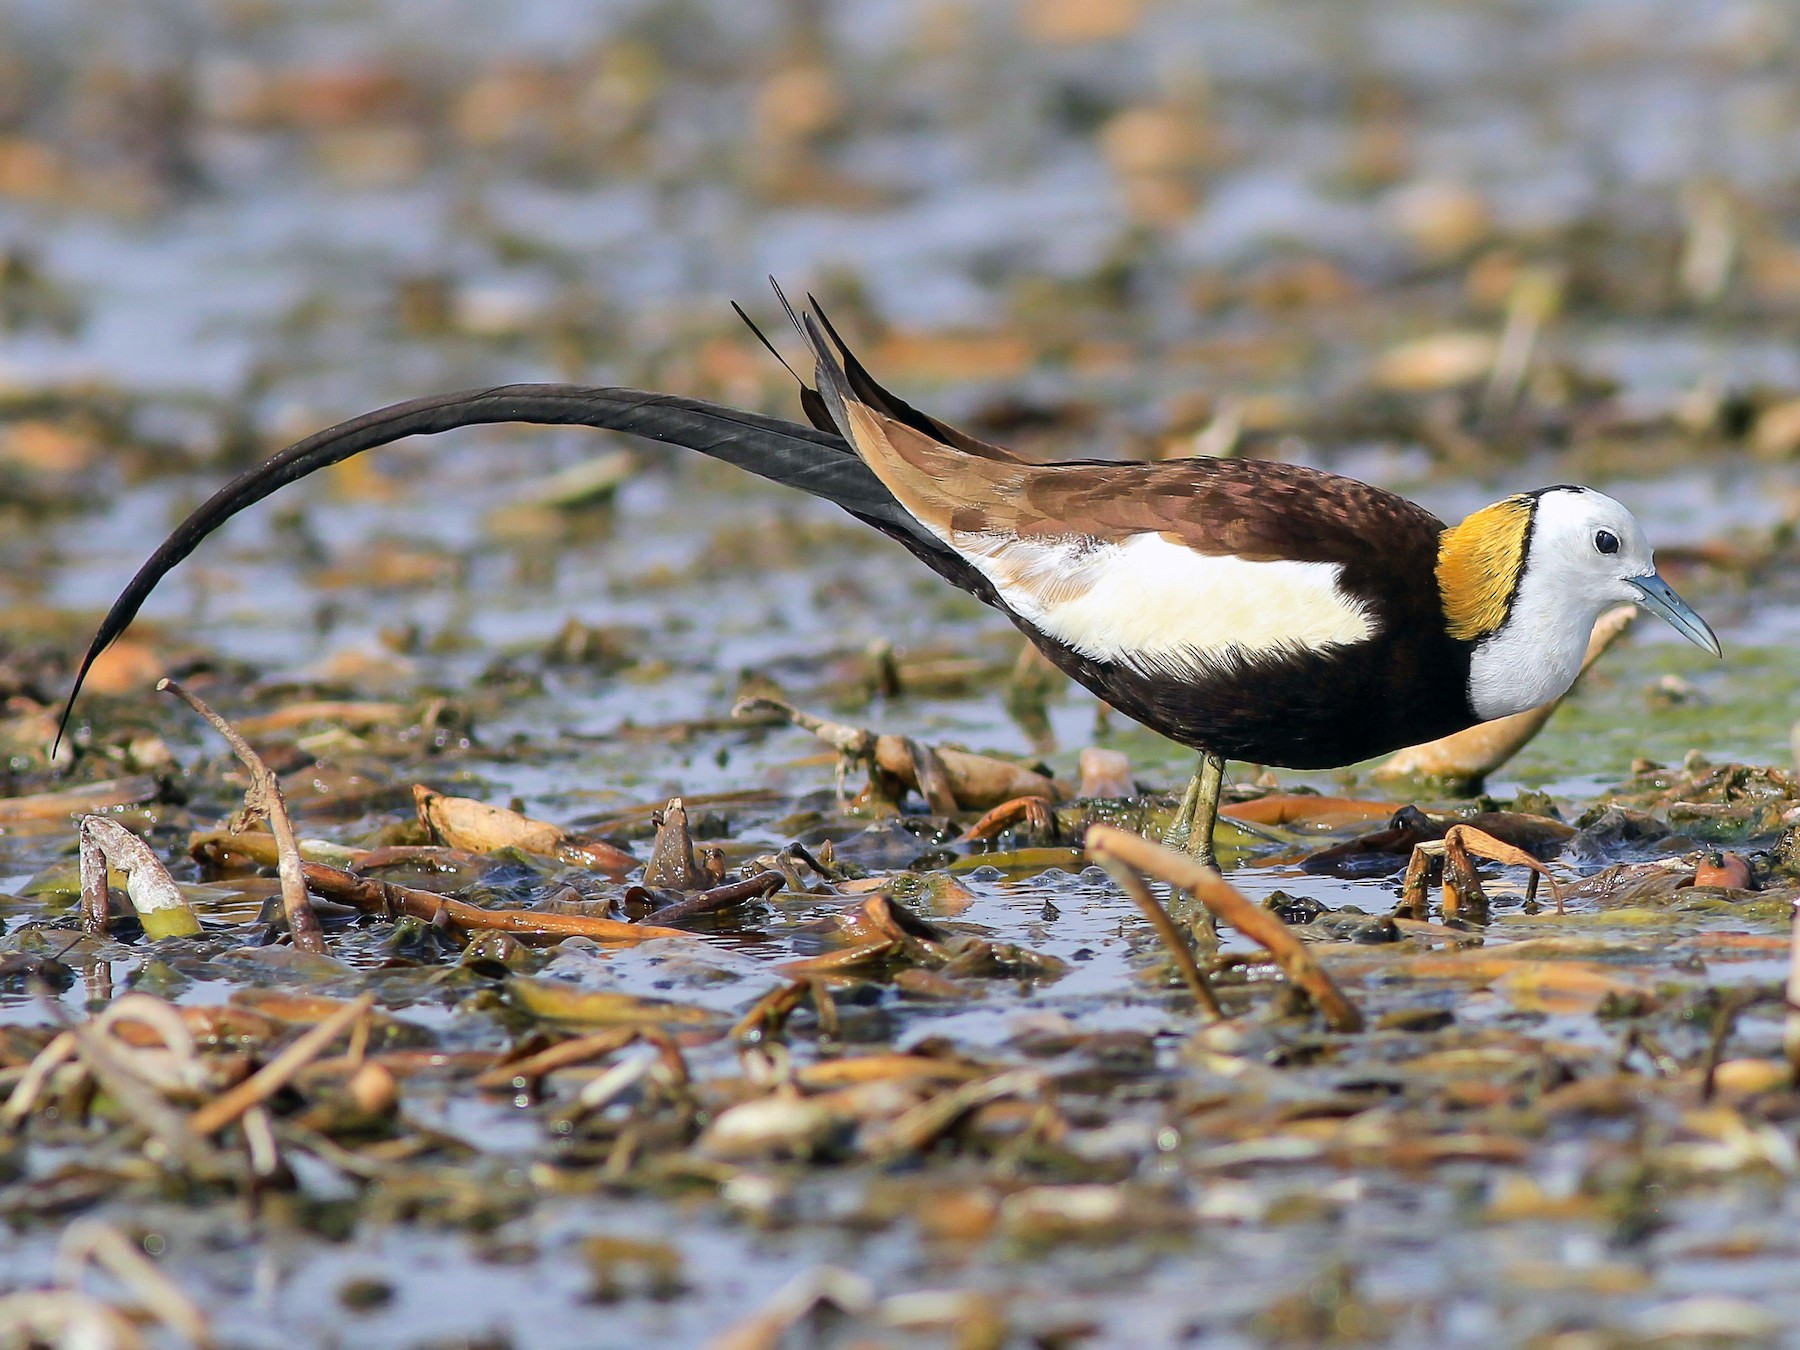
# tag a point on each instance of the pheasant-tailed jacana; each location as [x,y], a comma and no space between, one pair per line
[1249,609]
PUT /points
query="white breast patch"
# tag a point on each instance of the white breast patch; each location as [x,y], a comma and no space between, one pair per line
[1163,608]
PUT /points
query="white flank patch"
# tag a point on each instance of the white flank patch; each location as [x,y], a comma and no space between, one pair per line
[1164,608]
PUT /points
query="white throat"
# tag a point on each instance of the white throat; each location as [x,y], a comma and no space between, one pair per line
[1536,654]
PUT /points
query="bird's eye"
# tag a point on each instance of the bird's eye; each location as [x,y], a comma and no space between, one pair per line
[1606,541]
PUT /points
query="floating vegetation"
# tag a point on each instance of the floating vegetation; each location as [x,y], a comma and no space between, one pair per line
[635,908]
[502,1017]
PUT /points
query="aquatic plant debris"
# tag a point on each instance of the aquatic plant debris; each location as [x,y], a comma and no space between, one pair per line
[160,905]
[264,801]
[941,1016]
[952,1086]
[1230,906]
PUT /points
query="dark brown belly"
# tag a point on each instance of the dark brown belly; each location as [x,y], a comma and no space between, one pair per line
[1301,710]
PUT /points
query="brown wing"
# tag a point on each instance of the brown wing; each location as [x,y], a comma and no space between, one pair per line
[1258,510]
[1003,511]
[1253,609]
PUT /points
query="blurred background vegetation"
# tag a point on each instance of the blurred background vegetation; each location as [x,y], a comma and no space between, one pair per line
[1452,247]
[1457,247]
[294,209]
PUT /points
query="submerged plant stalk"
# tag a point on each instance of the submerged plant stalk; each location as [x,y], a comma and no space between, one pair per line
[264,798]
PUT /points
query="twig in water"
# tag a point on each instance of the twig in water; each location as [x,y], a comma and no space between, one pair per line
[65,1317]
[111,1067]
[384,897]
[1724,1020]
[30,1087]
[1462,887]
[264,799]
[916,1130]
[769,1014]
[1132,883]
[563,1054]
[278,1072]
[719,897]
[87,1242]
[948,778]
[1037,813]
[822,1286]
[1230,906]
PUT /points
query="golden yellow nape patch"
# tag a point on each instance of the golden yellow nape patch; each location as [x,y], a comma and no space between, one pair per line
[1478,566]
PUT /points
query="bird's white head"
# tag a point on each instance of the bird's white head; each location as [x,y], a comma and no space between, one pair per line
[1525,579]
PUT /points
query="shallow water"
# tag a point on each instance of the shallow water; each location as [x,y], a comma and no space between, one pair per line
[247,264]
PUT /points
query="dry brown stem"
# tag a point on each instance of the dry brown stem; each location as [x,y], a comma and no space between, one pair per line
[920,1127]
[264,799]
[1462,889]
[88,1242]
[1463,896]
[278,1072]
[768,1327]
[111,1066]
[1229,905]
[769,1014]
[846,958]
[1038,813]
[720,897]
[1132,883]
[947,778]
[64,1317]
[31,1085]
[926,769]
[562,1055]
[382,897]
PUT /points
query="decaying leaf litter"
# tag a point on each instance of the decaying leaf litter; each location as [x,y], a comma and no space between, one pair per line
[918,1071]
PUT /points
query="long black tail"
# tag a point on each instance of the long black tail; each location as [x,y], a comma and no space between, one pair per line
[814,461]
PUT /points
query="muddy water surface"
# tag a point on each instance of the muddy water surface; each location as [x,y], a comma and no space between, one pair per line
[1311,231]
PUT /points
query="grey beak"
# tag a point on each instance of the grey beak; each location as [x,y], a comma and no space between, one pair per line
[1657,596]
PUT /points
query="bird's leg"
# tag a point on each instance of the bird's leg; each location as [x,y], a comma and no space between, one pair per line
[1199,810]
[1182,824]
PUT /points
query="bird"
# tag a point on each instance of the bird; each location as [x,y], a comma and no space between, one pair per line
[1250,610]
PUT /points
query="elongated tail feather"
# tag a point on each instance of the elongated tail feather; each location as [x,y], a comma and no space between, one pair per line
[813,461]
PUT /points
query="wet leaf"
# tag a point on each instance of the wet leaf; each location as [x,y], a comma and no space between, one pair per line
[160,905]
[567,1004]
[464,823]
